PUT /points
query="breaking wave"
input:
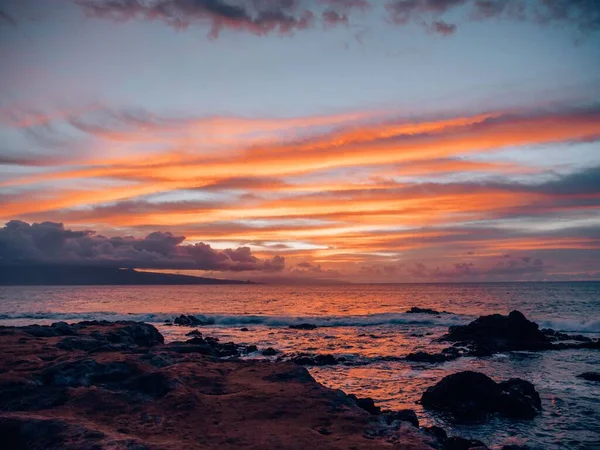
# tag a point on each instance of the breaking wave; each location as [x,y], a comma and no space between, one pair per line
[270,321]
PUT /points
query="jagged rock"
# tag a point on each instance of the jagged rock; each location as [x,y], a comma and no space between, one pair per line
[196,333]
[432,357]
[86,372]
[303,326]
[518,399]
[417,310]
[189,321]
[269,351]
[590,376]
[459,443]
[404,415]
[473,396]
[366,403]
[497,333]
[303,359]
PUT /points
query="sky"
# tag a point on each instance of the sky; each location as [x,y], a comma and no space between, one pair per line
[303,140]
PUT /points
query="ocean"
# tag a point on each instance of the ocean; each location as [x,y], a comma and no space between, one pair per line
[368,325]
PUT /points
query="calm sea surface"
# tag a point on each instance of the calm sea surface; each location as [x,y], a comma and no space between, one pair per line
[367,324]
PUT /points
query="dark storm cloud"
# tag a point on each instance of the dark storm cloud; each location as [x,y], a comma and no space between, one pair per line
[49,242]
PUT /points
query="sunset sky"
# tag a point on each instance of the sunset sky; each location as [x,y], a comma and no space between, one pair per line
[303,140]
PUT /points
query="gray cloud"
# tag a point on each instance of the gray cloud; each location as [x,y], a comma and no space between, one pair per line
[50,242]
[583,14]
[255,16]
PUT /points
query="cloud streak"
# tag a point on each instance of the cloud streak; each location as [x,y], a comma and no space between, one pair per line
[288,16]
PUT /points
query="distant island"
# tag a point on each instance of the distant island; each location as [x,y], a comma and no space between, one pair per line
[61,275]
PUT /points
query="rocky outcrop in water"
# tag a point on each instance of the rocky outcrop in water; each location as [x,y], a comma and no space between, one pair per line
[473,396]
[303,326]
[497,333]
[417,310]
[590,376]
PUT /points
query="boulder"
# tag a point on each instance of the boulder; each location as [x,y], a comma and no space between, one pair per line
[590,376]
[303,326]
[497,333]
[473,396]
[269,351]
[417,310]
[459,443]
[366,403]
[446,355]
[403,415]
[518,399]
[195,333]
[190,321]
[304,359]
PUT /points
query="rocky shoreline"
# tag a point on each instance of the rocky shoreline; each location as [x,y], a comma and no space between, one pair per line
[117,385]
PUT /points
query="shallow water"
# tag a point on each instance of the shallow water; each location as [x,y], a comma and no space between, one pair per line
[368,325]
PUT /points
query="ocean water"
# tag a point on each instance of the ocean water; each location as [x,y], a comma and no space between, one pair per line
[367,324]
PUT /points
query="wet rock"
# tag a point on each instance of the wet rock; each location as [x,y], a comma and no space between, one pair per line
[518,399]
[473,396]
[366,403]
[195,332]
[153,384]
[244,329]
[303,326]
[431,357]
[403,415]
[590,376]
[87,372]
[459,443]
[515,447]
[437,432]
[190,321]
[417,310]
[304,359]
[269,351]
[251,348]
[26,395]
[497,333]
[54,330]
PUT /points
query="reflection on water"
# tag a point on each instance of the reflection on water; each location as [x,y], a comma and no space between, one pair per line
[368,326]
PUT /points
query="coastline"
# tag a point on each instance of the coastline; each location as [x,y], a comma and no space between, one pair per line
[61,389]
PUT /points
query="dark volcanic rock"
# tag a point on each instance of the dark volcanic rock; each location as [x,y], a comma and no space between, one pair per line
[127,335]
[473,396]
[303,326]
[269,351]
[590,376]
[147,396]
[366,403]
[497,333]
[190,321]
[432,357]
[304,359]
[515,447]
[404,415]
[459,443]
[417,310]
[518,399]
[195,333]
[86,372]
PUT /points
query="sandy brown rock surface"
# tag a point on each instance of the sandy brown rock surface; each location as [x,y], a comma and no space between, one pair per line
[117,386]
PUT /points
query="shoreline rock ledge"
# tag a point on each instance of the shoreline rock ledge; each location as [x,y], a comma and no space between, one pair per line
[116,385]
